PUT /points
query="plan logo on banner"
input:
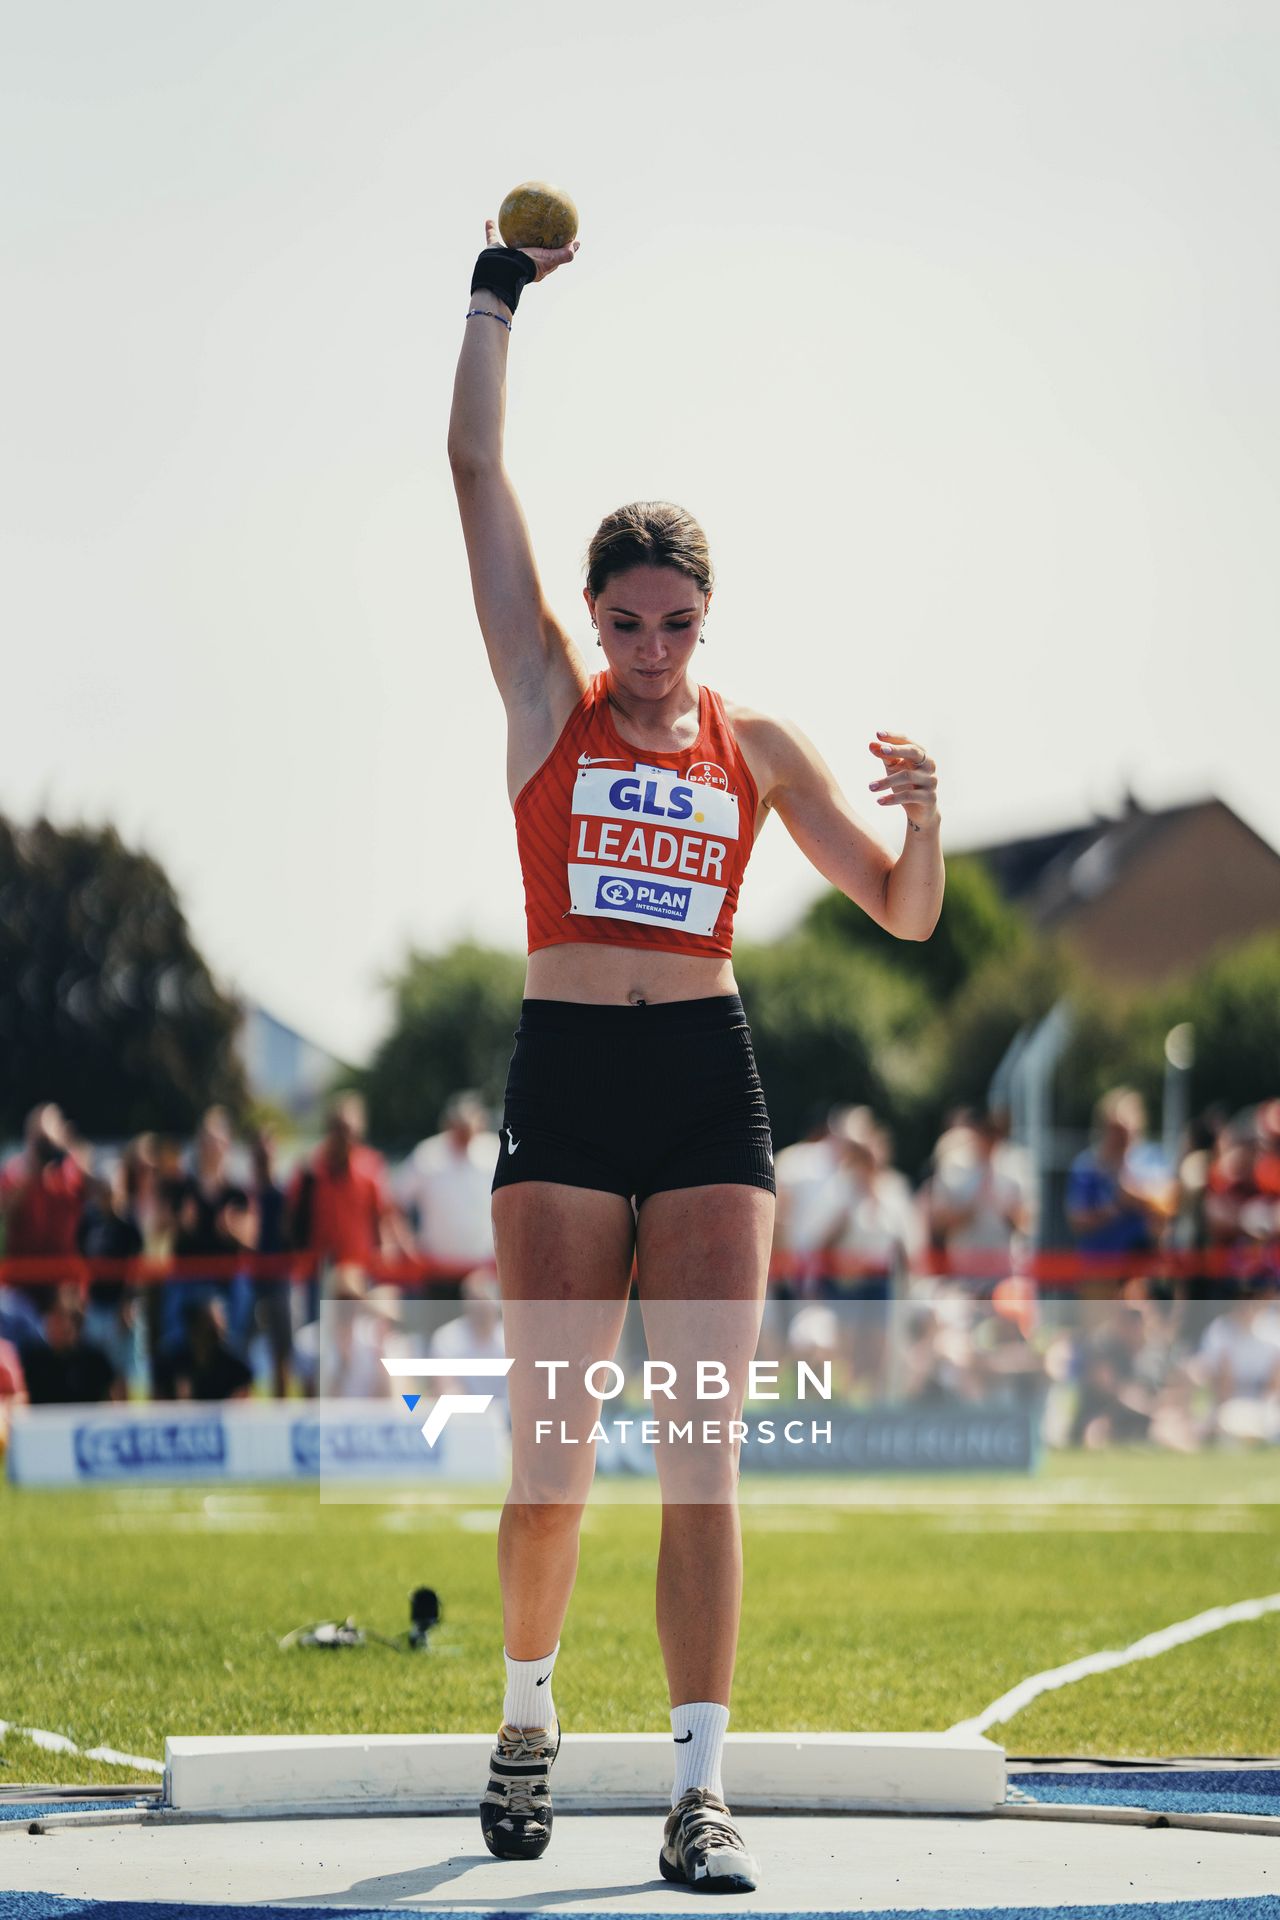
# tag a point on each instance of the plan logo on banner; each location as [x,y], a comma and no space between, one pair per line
[350,1445]
[447,1403]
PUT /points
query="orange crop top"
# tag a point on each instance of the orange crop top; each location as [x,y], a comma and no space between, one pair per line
[632,848]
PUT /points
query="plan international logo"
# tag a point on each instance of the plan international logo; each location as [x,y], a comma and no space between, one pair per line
[644,896]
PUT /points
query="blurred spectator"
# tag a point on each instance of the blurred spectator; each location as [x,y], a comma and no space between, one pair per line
[339,1208]
[205,1367]
[111,1229]
[1115,1403]
[935,1370]
[895,1195]
[864,1220]
[214,1217]
[801,1172]
[977,1203]
[476,1334]
[1200,1148]
[866,1228]
[1242,1198]
[273,1294]
[1190,1232]
[445,1185]
[1119,1193]
[13,1388]
[19,1315]
[796,1259]
[813,1335]
[63,1368]
[1267,1121]
[41,1195]
[1239,1360]
[159,1230]
[1008,1370]
[340,1353]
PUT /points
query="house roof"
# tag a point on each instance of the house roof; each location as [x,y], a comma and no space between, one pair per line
[1049,874]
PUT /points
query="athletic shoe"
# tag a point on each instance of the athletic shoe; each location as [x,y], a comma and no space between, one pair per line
[515,1813]
[702,1848]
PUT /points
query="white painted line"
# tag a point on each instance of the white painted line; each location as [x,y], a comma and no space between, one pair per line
[411,1868]
[59,1743]
[1147,1648]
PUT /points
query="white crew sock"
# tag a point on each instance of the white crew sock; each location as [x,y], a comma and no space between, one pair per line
[698,1730]
[525,1703]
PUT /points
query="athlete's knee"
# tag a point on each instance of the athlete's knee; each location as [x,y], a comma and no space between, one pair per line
[708,1477]
[543,1519]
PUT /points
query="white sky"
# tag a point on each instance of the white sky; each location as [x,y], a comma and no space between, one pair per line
[953,321]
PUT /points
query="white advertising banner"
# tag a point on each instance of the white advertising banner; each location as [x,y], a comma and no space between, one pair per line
[334,1440]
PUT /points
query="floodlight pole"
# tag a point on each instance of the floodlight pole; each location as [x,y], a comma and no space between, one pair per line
[1179,1059]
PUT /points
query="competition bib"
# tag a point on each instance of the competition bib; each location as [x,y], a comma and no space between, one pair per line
[650,845]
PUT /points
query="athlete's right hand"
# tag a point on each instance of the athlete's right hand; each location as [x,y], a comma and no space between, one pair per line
[545,259]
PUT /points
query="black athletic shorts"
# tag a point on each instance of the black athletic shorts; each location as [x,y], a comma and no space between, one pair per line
[634,1100]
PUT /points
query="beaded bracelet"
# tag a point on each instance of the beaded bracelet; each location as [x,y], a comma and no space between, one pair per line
[477,313]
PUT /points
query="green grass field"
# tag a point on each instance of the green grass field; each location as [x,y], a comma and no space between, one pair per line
[134,1613]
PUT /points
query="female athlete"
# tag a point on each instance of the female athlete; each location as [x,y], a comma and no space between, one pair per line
[635,1128]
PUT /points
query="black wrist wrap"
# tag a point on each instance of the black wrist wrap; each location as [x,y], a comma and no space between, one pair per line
[504,271]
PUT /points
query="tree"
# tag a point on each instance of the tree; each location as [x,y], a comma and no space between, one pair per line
[106,1006]
[976,926]
[828,1026]
[1118,1035]
[972,1034]
[453,1026]
[1233,1002]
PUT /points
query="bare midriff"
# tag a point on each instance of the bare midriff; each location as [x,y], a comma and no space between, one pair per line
[621,976]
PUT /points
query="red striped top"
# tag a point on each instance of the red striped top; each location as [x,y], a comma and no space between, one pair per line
[624,846]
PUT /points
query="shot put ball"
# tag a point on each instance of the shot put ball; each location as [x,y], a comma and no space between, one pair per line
[536,215]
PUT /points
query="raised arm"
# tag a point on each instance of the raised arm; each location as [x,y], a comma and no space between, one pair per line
[528,648]
[904,896]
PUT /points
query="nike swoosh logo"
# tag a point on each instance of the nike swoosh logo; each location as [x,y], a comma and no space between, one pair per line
[543,1681]
[680,1738]
[597,759]
[511,1144]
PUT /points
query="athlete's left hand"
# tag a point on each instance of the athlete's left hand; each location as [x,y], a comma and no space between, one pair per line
[910,777]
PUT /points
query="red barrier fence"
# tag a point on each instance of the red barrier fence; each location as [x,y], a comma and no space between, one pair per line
[1059,1267]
